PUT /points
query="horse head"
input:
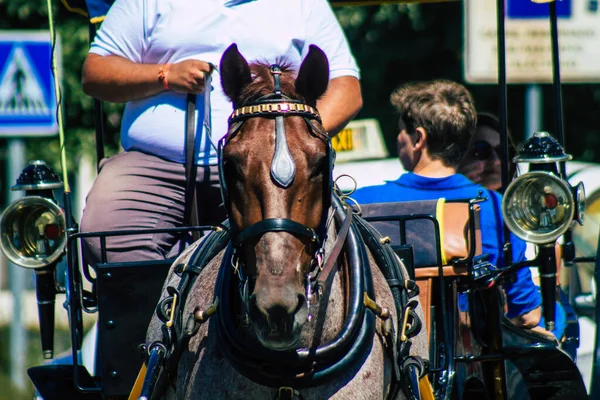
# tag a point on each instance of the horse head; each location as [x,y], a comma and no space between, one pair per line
[275,165]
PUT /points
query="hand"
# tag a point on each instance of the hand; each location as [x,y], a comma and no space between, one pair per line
[473,170]
[188,76]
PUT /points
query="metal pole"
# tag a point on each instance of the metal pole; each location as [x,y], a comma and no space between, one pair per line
[18,347]
[556,83]
[502,90]
[534,110]
[500,388]
[595,379]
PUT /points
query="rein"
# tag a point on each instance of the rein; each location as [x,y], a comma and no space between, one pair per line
[302,367]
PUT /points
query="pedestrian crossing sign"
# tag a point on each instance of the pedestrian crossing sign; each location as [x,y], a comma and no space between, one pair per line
[27,96]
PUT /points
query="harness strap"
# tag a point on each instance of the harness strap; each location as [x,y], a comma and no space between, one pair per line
[189,272]
[191,207]
[265,108]
[164,354]
[337,247]
[274,225]
[191,150]
[187,268]
[403,291]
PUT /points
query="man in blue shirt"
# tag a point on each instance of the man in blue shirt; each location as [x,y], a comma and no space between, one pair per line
[437,120]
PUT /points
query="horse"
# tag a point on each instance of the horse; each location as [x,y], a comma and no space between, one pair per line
[285,300]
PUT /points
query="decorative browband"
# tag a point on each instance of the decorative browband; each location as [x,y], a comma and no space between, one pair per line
[273,109]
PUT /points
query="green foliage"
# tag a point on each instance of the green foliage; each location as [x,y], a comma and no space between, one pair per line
[33,357]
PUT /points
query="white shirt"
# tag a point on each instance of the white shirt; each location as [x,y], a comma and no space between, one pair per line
[170,31]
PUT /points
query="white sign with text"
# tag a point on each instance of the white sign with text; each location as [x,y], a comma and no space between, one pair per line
[528,43]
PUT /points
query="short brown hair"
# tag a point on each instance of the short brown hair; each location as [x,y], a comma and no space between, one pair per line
[446,111]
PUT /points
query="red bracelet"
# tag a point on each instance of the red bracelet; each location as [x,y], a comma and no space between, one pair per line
[162,75]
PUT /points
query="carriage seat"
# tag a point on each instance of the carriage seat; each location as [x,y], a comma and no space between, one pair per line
[451,249]
[420,218]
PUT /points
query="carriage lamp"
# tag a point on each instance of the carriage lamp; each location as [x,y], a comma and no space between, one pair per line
[540,206]
[33,235]
[32,229]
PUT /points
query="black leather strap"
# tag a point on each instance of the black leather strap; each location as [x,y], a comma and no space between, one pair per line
[274,225]
[191,205]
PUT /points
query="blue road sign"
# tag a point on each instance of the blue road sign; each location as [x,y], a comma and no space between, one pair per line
[526,9]
[27,97]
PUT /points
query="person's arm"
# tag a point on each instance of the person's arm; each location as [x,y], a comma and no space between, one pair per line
[340,103]
[528,320]
[523,297]
[117,79]
[116,69]
[342,100]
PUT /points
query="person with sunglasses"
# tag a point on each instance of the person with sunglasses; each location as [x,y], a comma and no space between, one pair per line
[481,163]
[437,120]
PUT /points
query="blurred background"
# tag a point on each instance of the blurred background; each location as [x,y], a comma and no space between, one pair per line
[392,43]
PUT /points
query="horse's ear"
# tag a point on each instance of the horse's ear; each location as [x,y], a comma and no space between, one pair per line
[235,73]
[313,76]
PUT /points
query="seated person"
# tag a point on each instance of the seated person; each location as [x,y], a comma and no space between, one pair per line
[437,121]
[481,164]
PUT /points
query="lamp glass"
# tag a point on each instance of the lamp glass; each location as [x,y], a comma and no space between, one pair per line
[538,207]
[32,232]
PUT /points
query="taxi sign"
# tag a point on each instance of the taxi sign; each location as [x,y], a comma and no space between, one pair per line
[360,140]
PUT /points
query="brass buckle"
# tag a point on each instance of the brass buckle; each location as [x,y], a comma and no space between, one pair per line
[285,393]
[405,323]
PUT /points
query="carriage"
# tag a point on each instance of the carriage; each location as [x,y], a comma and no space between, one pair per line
[473,353]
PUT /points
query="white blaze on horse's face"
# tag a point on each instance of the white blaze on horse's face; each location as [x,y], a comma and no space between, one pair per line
[275,262]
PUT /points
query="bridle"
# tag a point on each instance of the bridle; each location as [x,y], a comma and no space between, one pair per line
[278,106]
[302,367]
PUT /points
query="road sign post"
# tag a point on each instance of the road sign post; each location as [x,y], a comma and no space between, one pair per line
[27,99]
[27,108]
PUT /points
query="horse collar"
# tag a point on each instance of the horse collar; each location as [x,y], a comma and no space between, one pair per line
[302,367]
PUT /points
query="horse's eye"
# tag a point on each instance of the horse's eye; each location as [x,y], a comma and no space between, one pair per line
[230,168]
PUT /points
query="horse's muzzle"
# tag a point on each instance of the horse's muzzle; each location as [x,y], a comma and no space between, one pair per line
[278,327]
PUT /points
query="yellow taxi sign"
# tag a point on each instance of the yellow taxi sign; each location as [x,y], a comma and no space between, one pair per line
[360,140]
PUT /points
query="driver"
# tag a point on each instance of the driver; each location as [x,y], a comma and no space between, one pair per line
[436,122]
[149,54]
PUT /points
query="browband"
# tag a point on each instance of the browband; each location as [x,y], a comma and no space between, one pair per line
[274,109]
